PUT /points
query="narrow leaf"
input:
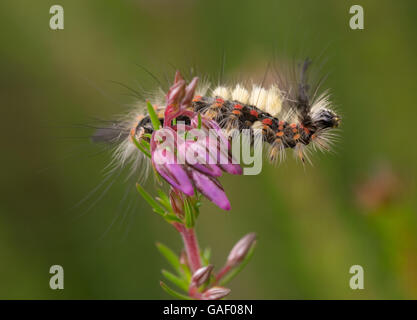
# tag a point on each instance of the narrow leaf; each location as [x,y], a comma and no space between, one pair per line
[169,217]
[153,203]
[140,147]
[154,118]
[199,121]
[180,283]
[146,144]
[174,293]
[170,256]
[189,215]
[205,255]
[185,271]
[164,200]
[161,212]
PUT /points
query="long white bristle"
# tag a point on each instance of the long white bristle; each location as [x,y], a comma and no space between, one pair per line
[273,101]
[240,94]
[221,92]
[258,97]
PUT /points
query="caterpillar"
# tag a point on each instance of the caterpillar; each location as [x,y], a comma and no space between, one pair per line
[287,113]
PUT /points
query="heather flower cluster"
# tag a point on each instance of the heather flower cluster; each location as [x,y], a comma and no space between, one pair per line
[191,157]
[203,153]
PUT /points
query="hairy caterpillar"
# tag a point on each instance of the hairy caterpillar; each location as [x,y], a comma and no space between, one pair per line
[289,116]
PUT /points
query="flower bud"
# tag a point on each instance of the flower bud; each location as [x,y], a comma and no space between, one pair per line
[215,293]
[176,94]
[240,250]
[177,202]
[178,77]
[201,275]
[189,93]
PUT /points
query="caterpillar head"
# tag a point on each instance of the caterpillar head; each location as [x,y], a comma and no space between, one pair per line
[325,118]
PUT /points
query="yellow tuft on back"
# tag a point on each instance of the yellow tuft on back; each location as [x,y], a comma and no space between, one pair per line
[240,94]
[222,92]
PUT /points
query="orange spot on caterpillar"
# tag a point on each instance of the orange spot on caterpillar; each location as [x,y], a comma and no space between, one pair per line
[280,134]
[254,113]
[297,136]
[219,103]
[132,132]
[267,121]
[236,112]
[281,123]
[238,106]
[197,98]
[280,128]
[295,130]
[293,125]
[306,130]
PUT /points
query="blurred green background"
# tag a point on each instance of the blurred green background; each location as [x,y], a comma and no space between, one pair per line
[356,206]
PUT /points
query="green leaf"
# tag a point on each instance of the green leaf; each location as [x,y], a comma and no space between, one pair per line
[171,257]
[140,147]
[196,204]
[205,255]
[154,204]
[161,212]
[169,217]
[189,214]
[187,273]
[199,121]
[164,200]
[146,144]
[154,118]
[234,272]
[174,293]
[179,282]
[163,209]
